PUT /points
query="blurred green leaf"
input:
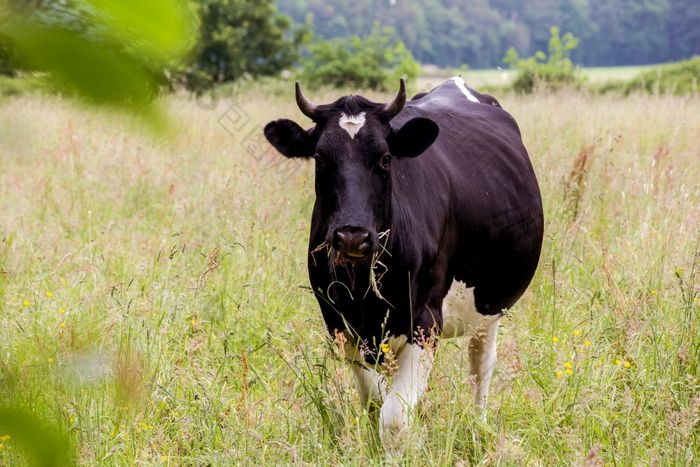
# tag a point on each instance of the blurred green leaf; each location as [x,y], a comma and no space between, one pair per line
[164,30]
[111,53]
[98,71]
[44,445]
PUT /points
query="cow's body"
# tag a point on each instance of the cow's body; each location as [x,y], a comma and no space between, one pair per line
[468,209]
[388,242]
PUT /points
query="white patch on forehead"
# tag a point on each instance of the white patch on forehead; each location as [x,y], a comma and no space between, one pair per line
[352,123]
[462,87]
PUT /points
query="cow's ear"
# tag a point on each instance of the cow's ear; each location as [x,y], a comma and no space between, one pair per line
[413,138]
[290,139]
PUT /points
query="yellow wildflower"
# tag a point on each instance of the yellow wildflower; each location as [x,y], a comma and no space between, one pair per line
[50,359]
[2,446]
[61,311]
[653,292]
[587,343]
[385,347]
[4,438]
[626,364]
[49,294]
[163,458]
[26,303]
[696,299]
[194,322]
[568,365]
[577,332]
[559,373]
[63,324]
[569,371]
[618,361]
[555,339]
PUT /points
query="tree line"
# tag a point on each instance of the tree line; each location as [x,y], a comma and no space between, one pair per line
[478,32]
[338,42]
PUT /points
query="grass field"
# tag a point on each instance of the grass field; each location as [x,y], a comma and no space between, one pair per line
[613,73]
[154,301]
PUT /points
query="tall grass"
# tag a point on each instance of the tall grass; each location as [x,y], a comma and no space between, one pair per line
[155,305]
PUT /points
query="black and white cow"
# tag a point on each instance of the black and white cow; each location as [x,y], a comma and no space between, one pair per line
[428,222]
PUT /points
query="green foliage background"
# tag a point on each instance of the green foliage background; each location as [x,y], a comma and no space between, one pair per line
[240,38]
[478,32]
[374,62]
[109,52]
[675,78]
[551,70]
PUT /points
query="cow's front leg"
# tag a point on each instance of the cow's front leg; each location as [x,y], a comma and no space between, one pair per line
[409,384]
[482,360]
[370,385]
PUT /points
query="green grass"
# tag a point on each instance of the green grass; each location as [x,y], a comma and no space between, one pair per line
[613,73]
[154,302]
[680,78]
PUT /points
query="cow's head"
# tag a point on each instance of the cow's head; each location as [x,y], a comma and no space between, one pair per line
[353,144]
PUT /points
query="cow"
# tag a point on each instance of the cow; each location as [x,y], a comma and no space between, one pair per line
[427,224]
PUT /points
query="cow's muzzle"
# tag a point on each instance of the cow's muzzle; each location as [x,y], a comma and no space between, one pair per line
[352,242]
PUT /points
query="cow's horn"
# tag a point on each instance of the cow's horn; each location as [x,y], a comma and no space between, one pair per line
[393,108]
[307,107]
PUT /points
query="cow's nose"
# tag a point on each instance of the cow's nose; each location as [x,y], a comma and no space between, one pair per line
[353,241]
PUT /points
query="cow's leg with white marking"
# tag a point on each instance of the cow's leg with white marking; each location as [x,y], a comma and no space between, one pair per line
[461,318]
[409,384]
[482,360]
[370,385]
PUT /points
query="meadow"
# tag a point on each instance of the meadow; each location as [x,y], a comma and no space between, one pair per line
[154,303]
[503,77]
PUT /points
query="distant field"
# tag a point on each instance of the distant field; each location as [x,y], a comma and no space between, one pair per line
[475,78]
[621,73]
[502,77]
[154,300]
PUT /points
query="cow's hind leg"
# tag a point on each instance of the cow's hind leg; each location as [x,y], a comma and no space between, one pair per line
[461,318]
[482,360]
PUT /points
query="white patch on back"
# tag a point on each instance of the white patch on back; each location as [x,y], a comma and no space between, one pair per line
[463,87]
[352,123]
[459,315]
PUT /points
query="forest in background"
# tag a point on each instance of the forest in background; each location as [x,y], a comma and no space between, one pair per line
[363,45]
[451,33]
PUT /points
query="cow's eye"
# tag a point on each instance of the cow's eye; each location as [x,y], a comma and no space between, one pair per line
[320,163]
[385,161]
